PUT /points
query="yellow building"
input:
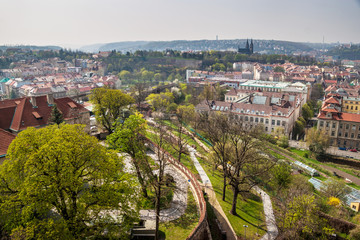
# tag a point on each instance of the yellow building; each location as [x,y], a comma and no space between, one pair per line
[351,105]
[355,205]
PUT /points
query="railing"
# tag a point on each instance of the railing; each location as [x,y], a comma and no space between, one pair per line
[200,231]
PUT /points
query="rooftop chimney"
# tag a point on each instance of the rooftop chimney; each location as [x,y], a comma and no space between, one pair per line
[33,101]
[50,99]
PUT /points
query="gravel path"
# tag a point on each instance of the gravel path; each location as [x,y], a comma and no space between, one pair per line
[179,201]
[272,230]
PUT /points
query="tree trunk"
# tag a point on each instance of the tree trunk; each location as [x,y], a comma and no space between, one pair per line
[140,178]
[233,207]
[157,210]
[224,188]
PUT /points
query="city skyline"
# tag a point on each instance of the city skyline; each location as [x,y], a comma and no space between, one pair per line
[78,23]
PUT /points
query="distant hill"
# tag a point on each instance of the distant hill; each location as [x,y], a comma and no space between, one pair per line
[341,52]
[30,47]
[263,46]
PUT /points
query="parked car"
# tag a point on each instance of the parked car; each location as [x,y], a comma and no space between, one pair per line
[342,148]
[353,150]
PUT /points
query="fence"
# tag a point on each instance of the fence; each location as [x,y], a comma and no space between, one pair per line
[200,232]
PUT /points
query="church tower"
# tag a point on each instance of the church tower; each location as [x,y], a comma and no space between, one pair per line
[247,44]
[251,47]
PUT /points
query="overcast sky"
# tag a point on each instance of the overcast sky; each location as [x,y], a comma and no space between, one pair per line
[83,22]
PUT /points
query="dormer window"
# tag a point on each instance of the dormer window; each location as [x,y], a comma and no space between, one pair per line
[36,115]
[71,104]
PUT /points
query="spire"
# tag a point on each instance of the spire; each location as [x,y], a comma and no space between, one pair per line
[251,47]
[247,44]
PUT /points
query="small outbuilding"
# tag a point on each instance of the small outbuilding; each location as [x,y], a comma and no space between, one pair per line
[355,205]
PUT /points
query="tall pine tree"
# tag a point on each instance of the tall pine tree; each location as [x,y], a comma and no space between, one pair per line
[56,116]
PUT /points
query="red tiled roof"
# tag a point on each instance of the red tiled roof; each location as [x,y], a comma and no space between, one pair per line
[5,140]
[19,116]
[348,117]
[332,100]
[329,109]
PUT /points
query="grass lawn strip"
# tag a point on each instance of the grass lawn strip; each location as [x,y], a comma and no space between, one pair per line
[250,210]
[181,228]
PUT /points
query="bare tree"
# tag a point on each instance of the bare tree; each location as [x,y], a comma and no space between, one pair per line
[138,92]
[246,161]
[217,128]
[157,180]
[184,114]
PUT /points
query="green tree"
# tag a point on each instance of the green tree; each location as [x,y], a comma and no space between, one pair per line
[161,101]
[157,77]
[281,174]
[56,116]
[335,188]
[299,127]
[317,141]
[129,138]
[307,113]
[124,75]
[279,69]
[109,105]
[59,181]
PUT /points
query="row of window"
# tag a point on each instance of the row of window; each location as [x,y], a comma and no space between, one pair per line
[351,108]
[351,102]
[259,120]
[341,126]
[352,135]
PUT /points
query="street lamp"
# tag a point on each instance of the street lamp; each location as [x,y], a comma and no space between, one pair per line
[245,226]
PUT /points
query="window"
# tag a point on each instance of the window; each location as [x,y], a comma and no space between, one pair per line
[347,107]
[251,119]
[341,126]
[278,122]
[347,126]
[321,123]
[266,128]
[352,135]
[333,133]
[356,108]
[327,124]
[261,120]
[339,134]
[359,136]
[346,134]
[266,121]
[333,125]
[241,118]
[246,118]
[256,119]
[351,107]
[272,122]
[353,127]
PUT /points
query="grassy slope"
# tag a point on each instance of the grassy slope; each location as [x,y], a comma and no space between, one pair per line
[181,228]
[250,210]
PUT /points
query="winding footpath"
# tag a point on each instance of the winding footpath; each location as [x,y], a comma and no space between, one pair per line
[179,201]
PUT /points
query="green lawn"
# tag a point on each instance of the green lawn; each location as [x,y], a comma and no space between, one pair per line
[185,158]
[181,228]
[250,210]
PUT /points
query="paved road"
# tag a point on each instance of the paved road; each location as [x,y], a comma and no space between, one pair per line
[331,150]
[354,179]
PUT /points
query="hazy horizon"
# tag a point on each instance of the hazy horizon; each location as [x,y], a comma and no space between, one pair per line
[86,22]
